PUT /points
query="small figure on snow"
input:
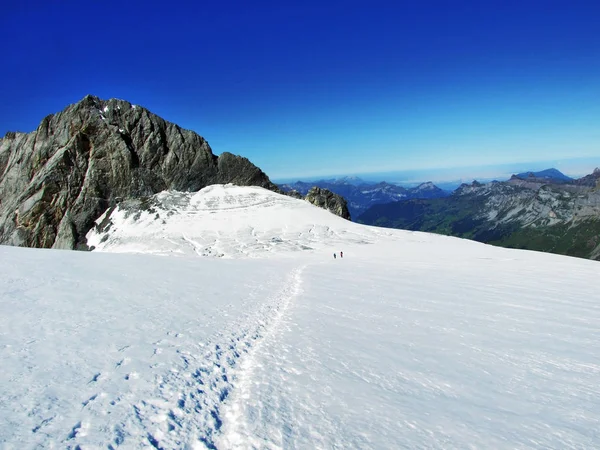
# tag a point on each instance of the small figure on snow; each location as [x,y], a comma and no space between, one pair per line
[334,256]
[341,254]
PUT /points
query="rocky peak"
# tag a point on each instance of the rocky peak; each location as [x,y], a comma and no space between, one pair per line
[591,180]
[427,186]
[10,135]
[56,180]
[466,188]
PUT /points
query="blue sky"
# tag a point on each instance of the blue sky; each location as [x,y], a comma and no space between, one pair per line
[319,88]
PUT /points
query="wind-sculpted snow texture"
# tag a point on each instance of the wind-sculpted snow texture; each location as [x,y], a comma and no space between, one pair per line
[411,340]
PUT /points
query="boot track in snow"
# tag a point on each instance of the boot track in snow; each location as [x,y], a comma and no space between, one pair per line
[188,408]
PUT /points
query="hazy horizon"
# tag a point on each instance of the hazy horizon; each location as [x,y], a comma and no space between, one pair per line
[574,168]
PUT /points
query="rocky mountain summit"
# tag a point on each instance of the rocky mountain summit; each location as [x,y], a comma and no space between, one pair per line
[57,180]
[592,180]
[531,213]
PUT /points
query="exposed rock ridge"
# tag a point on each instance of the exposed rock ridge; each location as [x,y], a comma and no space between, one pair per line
[326,199]
[56,180]
[592,180]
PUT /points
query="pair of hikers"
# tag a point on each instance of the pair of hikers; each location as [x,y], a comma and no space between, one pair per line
[341,255]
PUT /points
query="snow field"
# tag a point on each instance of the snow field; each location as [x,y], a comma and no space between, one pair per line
[228,221]
[124,350]
[410,341]
[425,350]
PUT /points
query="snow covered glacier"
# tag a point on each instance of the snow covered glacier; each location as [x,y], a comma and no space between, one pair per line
[412,340]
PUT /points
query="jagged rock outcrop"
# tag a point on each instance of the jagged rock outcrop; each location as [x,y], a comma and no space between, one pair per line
[326,199]
[57,180]
[591,180]
[295,194]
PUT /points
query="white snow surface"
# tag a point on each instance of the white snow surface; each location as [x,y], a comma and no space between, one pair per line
[229,221]
[410,340]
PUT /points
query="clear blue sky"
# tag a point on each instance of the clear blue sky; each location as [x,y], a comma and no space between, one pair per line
[311,88]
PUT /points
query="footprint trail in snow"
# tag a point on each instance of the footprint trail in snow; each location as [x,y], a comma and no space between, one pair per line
[186,408]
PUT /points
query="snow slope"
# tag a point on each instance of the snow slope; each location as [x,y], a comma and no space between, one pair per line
[410,341]
[227,221]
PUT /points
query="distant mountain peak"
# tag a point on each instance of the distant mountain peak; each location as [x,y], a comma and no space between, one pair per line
[351,179]
[428,185]
[551,175]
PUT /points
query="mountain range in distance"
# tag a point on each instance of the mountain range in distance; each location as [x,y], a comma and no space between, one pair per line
[362,194]
[544,211]
[535,210]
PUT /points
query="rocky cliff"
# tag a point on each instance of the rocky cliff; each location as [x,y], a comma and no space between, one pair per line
[58,179]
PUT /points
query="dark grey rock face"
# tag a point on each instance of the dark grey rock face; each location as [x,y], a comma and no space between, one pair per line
[592,180]
[295,194]
[326,199]
[56,181]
